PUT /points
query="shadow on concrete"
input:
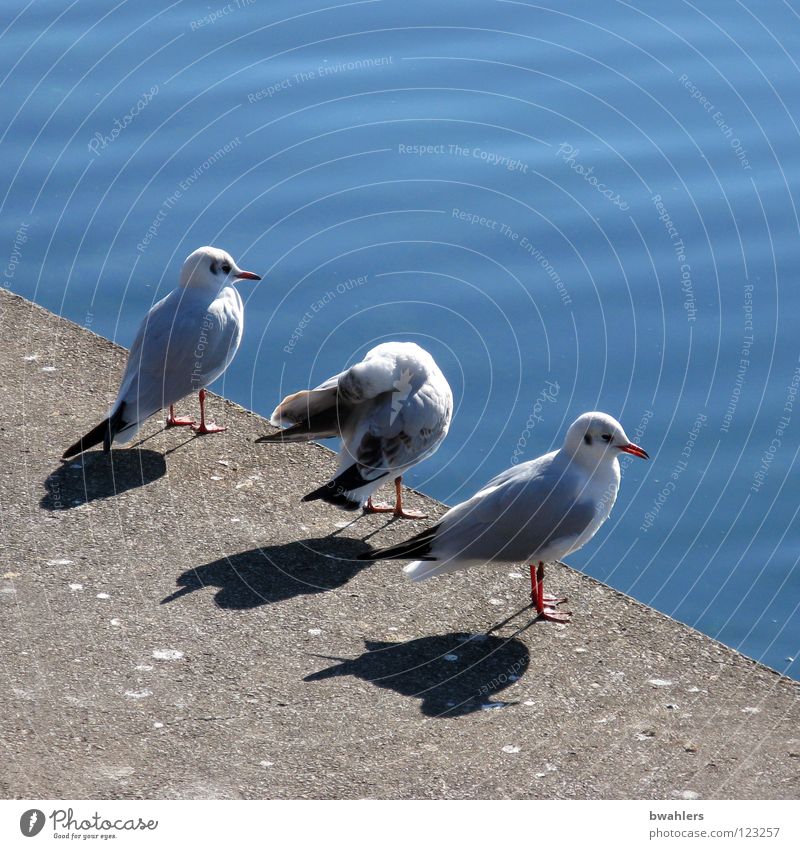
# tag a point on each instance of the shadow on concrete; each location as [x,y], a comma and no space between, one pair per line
[453,674]
[276,573]
[96,475]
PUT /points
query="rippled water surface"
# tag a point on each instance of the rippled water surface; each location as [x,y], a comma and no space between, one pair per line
[572,206]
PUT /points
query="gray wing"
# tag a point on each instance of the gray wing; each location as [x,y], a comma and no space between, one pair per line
[519,516]
[387,437]
[183,344]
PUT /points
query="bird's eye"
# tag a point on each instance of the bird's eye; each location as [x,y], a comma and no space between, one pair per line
[226,268]
[606,437]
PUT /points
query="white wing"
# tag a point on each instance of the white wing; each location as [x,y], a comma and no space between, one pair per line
[535,511]
[401,407]
[392,410]
[184,343]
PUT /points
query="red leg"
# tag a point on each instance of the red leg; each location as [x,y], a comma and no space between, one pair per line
[204,428]
[172,421]
[545,604]
[398,503]
[397,510]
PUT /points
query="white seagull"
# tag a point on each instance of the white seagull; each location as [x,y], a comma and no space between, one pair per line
[392,410]
[532,513]
[185,342]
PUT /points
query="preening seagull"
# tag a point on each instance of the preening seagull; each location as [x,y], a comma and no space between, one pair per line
[392,410]
[185,342]
[535,512]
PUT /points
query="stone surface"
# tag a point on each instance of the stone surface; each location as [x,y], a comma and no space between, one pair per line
[174,619]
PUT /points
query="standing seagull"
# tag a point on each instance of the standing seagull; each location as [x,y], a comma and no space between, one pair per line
[538,511]
[185,342]
[392,410]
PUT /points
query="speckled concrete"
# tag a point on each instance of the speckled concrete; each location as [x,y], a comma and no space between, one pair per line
[173,621]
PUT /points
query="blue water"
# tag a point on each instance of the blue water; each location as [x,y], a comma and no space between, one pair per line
[593,205]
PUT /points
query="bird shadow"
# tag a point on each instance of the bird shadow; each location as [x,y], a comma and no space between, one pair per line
[276,573]
[98,475]
[453,674]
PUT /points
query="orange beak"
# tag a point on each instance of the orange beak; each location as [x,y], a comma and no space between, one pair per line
[247,275]
[630,448]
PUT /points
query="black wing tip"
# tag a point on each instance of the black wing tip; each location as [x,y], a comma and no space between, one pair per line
[416,548]
[288,436]
[331,493]
[270,437]
[79,448]
[103,432]
[95,436]
[335,491]
[392,554]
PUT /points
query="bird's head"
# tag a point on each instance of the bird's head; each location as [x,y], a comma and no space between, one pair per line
[211,268]
[598,436]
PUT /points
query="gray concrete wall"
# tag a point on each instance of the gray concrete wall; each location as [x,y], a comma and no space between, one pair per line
[169,614]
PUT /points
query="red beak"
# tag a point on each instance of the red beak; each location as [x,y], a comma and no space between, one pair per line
[630,448]
[247,275]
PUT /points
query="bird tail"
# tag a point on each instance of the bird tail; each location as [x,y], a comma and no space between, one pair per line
[342,491]
[301,432]
[313,413]
[104,432]
[418,546]
[421,570]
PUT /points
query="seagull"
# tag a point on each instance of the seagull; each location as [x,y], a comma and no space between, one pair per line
[392,410]
[184,343]
[534,512]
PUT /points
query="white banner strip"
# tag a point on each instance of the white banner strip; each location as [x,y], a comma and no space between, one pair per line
[620,824]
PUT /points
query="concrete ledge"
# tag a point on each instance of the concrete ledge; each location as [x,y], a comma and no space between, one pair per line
[166,612]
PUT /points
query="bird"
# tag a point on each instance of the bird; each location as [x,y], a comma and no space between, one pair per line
[184,343]
[532,513]
[392,410]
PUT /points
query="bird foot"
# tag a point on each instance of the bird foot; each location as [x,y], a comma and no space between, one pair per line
[550,614]
[174,421]
[203,429]
[548,600]
[551,600]
[380,507]
[409,514]
[399,513]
